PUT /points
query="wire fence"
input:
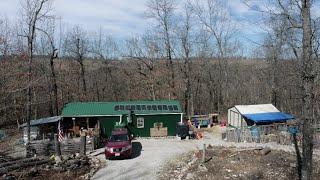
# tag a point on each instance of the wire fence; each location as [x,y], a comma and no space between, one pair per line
[280,134]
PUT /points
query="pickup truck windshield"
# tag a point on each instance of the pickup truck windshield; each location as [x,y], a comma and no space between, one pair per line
[119,138]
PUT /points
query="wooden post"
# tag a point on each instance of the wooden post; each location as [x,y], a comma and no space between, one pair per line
[98,124]
[94,139]
[97,134]
[87,123]
[57,145]
[74,123]
[83,144]
[204,153]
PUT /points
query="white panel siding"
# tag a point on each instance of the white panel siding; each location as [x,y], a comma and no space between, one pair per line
[234,117]
[253,109]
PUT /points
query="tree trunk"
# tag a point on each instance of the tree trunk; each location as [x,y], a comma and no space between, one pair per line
[296,147]
[84,85]
[30,57]
[54,84]
[308,86]
[29,93]
[171,65]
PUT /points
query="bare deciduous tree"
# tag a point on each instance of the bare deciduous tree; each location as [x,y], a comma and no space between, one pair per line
[215,20]
[162,11]
[296,15]
[77,46]
[184,34]
[52,52]
[34,11]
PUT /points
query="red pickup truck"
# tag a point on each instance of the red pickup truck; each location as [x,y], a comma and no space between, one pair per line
[119,144]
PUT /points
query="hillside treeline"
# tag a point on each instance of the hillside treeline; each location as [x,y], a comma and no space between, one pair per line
[246,82]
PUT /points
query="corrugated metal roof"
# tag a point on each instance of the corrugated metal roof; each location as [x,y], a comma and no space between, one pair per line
[42,121]
[78,109]
[258,108]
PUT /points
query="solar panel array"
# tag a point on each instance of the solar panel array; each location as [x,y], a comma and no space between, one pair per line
[148,107]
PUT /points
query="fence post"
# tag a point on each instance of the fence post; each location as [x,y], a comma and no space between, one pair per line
[28,149]
[57,145]
[238,131]
[83,144]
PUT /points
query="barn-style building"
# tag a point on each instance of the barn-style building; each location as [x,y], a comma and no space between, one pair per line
[142,118]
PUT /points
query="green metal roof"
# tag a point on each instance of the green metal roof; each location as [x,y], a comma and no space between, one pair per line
[78,109]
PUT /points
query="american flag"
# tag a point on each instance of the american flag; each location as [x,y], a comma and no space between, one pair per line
[60,132]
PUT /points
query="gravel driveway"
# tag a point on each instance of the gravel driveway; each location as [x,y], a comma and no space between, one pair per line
[154,152]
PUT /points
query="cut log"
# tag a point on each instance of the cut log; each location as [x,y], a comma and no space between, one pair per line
[265,151]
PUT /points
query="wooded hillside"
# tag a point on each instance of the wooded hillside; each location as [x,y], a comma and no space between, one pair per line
[248,81]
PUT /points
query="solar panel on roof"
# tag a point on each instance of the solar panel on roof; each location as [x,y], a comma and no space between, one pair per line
[127,107]
[138,107]
[160,107]
[175,107]
[116,108]
[143,107]
[154,107]
[121,107]
[165,107]
[170,108]
[133,107]
[149,107]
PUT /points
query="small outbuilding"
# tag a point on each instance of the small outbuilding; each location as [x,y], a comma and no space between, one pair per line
[142,118]
[41,128]
[260,114]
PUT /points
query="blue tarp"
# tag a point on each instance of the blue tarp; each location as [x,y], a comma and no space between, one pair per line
[268,117]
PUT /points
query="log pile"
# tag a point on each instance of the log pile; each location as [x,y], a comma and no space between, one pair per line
[4,158]
[35,167]
[6,167]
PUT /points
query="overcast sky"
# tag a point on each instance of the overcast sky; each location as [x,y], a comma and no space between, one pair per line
[123,18]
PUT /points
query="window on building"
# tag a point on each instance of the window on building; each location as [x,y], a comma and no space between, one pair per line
[128,107]
[138,107]
[170,108]
[165,107]
[154,107]
[143,107]
[140,122]
[133,107]
[160,107]
[149,107]
[121,107]
[116,108]
[175,107]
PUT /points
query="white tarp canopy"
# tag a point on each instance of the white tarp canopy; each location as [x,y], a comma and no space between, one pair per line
[243,115]
[258,108]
